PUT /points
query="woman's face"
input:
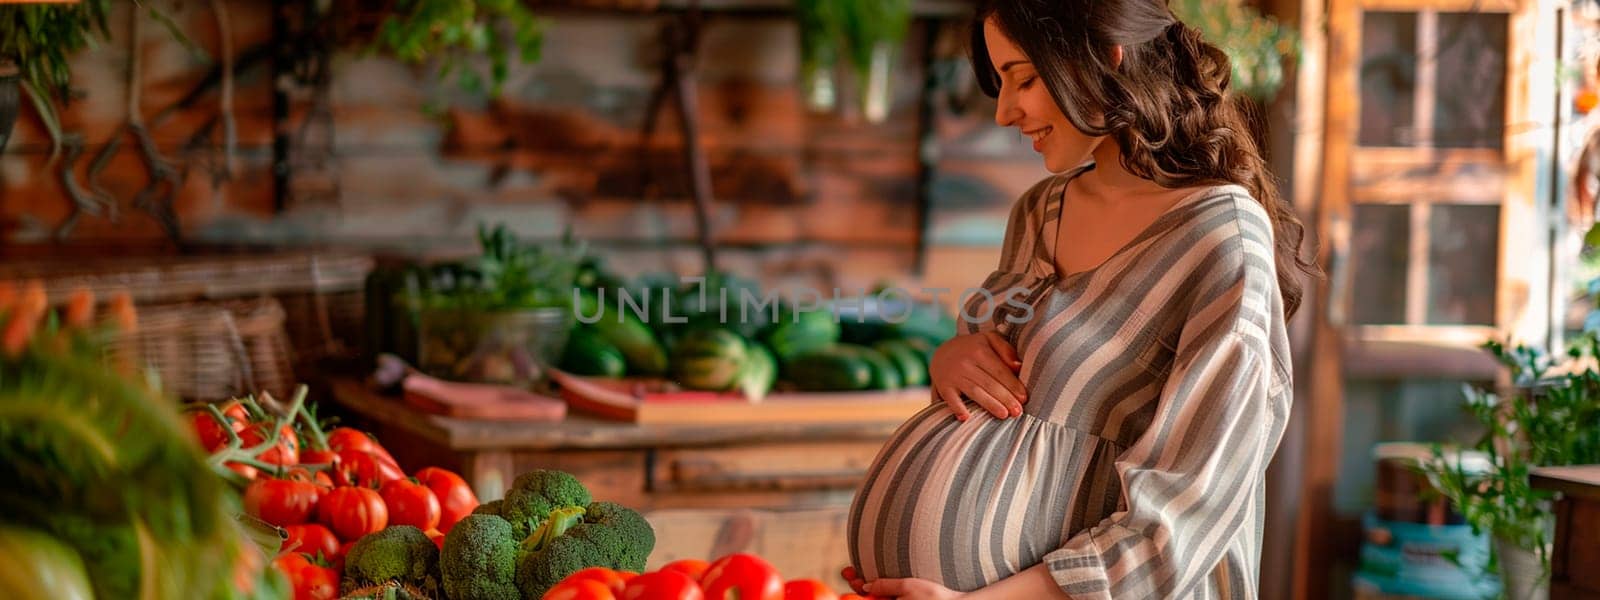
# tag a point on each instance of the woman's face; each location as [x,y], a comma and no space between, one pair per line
[1025,104]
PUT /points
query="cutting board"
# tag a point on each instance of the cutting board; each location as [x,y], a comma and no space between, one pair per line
[659,401]
[480,401]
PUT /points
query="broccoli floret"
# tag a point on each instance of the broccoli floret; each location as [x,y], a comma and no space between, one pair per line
[489,556]
[611,535]
[621,534]
[488,508]
[535,494]
[401,553]
[480,559]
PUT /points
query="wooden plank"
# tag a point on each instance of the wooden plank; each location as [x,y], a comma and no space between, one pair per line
[611,475]
[657,402]
[1578,481]
[770,467]
[579,432]
[1417,264]
[1325,405]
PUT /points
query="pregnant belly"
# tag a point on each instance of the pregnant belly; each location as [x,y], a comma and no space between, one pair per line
[965,504]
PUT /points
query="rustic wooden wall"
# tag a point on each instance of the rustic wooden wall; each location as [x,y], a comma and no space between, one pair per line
[796,192]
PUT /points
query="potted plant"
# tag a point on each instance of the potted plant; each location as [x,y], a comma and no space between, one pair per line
[1547,417]
[500,317]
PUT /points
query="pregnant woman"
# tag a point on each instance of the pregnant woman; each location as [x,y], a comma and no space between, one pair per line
[1109,438]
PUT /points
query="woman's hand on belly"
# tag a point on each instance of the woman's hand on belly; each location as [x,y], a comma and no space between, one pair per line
[982,366]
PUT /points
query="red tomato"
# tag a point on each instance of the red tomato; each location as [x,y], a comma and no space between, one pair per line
[311,539]
[209,431]
[318,457]
[290,564]
[345,438]
[352,512]
[663,585]
[316,583]
[587,589]
[286,452]
[410,504]
[365,469]
[280,502]
[456,499]
[808,589]
[754,578]
[610,578]
[693,567]
[437,537]
[245,470]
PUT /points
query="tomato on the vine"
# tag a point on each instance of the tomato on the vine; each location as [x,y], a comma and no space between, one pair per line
[808,589]
[693,567]
[753,577]
[311,539]
[352,512]
[456,499]
[347,439]
[365,469]
[410,503]
[286,452]
[281,502]
[664,585]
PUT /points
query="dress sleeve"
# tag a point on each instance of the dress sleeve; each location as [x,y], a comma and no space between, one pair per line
[1192,484]
[979,310]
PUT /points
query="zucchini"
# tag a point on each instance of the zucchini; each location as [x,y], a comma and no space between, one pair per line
[913,372]
[643,353]
[588,353]
[885,376]
[828,370]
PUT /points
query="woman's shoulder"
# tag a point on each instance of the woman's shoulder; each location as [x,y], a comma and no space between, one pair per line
[1230,210]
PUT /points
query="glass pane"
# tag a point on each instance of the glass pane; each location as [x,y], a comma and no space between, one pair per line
[1464,243]
[1470,102]
[1377,411]
[1388,78]
[1380,244]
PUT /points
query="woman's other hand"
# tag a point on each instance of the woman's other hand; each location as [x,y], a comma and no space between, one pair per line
[857,584]
[984,367]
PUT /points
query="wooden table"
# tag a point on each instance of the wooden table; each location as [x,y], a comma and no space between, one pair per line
[1575,562]
[709,490]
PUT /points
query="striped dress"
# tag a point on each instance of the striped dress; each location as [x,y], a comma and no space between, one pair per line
[1158,389]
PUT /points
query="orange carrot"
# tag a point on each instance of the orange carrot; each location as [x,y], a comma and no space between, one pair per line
[79,312]
[25,319]
[122,313]
[8,295]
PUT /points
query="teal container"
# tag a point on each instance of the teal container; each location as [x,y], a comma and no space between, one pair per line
[1448,562]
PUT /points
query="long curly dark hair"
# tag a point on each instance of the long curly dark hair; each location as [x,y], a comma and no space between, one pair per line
[1167,104]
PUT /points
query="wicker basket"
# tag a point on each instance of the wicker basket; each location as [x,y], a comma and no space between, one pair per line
[213,351]
[320,293]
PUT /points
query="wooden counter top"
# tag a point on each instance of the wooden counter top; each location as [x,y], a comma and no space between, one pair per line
[580,431]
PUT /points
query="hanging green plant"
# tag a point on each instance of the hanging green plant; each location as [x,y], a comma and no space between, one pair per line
[452,31]
[36,43]
[1257,45]
[866,33]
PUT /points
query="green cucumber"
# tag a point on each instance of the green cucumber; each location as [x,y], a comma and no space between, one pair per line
[644,354]
[828,370]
